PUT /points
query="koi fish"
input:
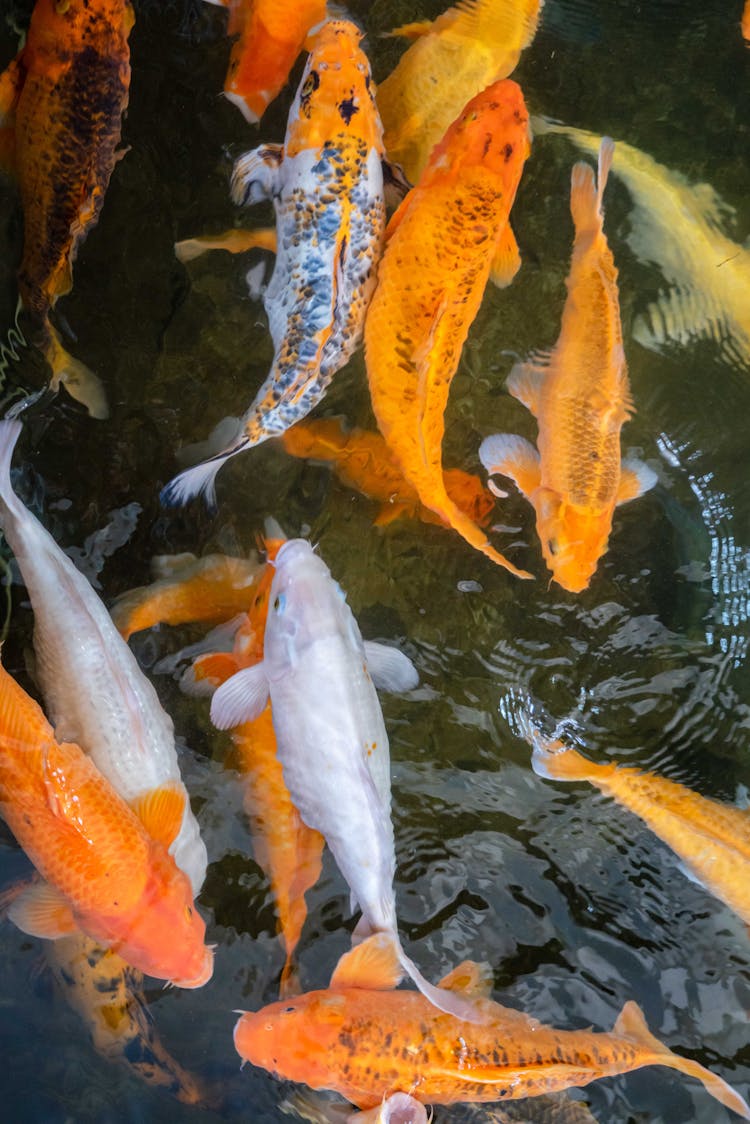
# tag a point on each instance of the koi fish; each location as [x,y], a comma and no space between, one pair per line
[271,33]
[108,995]
[326,182]
[363,461]
[106,869]
[365,1040]
[712,839]
[447,236]
[61,105]
[679,227]
[451,60]
[745,22]
[580,396]
[94,689]
[320,676]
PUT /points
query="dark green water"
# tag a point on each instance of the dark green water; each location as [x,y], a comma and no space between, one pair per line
[576,905]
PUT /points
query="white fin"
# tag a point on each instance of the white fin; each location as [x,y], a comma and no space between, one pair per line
[199,480]
[237,99]
[512,456]
[635,479]
[680,315]
[255,279]
[241,699]
[390,669]
[525,383]
[447,1001]
[10,431]
[42,911]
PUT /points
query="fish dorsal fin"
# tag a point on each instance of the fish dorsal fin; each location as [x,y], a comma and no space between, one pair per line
[373,965]
[507,259]
[241,699]
[172,565]
[525,383]
[511,456]
[469,978]
[160,810]
[635,479]
[411,31]
[389,668]
[42,911]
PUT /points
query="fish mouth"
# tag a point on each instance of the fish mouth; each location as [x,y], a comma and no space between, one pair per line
[207,970]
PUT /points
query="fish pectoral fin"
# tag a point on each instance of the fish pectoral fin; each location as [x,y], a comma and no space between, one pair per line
[42,911]
[241,699]
[208,672]
[373,965]
[389,668]
[412,31]
[80,383]
[235,241]
[635,479]
[160,810]
[255,176]
[469,978]
[512,456]
[507,258]
[525,383]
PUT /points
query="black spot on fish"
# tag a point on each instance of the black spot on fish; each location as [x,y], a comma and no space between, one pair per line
[347,109]
[508,152]
[309,87]
[487,144]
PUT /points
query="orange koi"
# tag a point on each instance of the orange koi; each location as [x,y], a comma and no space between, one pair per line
[61,106]
[580,396]
[365,1040]
[108,995]
[363,461]
[711,838]
[451,60]
[107,868]
[447,236]
[745,23]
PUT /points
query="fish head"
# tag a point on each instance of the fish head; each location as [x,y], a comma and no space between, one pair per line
[573,539]
[166,936]
[296,1039]
[336,96]
[491,133]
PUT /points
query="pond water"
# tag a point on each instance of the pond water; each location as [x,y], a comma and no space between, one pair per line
[576,905]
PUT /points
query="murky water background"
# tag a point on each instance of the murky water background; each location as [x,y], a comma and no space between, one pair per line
[576,905]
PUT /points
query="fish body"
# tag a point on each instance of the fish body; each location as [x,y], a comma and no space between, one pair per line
[326,183]
[330,734]
[712,839]
[365,1040]
[449,233]
[108,995]
[680,227]
[362,460]
[95,692]
[270,35]
[451,60]
[72,90]
[580,396]
[104,872]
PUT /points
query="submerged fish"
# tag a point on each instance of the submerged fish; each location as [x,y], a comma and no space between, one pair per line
[580,396]
[270,35]
[330,733]
[326,183]
[448,235]
[61,106]
[362,460]
[106,869]
[712,839]
[680,228]
[365,1040]
[108,995]
[95,692]
[452,59]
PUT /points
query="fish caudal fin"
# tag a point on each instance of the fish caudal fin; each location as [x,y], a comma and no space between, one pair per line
[80,383]
[586,194]
[9,434]
[632,1025]
[199,480]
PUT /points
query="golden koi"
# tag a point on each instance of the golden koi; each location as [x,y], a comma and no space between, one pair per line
[463,51]
[61,106]
[580,396]
[449,233]
[363,461]
[365,1040]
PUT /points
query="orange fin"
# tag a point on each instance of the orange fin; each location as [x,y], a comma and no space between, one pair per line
[209,672]
[507,260]
[11,81]
[236,241]
[390,512]
[635,479]
[411,31]
[511,456]
[80,383]
[42,911]
[469,978]
[161,811]
[372,965]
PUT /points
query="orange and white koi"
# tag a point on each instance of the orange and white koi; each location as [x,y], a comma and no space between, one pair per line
[448,235]
[326,182]
[365,1040]
[451,60]
[711,838]
[106,868]
[61,105]
[580,396]
[362,460]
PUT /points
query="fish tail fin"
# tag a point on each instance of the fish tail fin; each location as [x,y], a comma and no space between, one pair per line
[586,193]
[80,383]
[9,434]
[606,155]
[200,479]
[632,1025]
[448,1001]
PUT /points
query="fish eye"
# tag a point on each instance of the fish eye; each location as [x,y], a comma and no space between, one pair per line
[280,603]
[289,1010]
